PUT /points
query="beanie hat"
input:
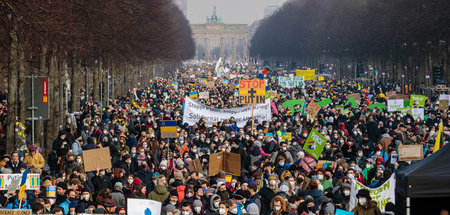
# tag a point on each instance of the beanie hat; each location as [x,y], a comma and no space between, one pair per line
[252,209]
[272,176]
[174,193]
[198,202]
[62,185]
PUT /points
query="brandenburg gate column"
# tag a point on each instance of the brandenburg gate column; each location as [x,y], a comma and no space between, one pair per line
[196,48]
[245,48]
[207,49]
[222,47]
[233,48]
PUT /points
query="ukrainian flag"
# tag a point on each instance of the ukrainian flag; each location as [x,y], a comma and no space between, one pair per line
[168,129]
[193,94]
[23,184]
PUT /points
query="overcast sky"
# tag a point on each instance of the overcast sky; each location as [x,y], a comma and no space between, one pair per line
[231,11]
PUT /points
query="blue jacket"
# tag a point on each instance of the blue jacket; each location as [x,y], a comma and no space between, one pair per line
[65,206]
[15,205]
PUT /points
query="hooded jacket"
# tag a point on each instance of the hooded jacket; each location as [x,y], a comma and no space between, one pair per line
[160,194]
[211,210]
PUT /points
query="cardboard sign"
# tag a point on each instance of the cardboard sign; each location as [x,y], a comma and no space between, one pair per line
[143,206]
[357,97]
[326,164]
[32,183]
[210,84]
[312,109]
[391,94]
[204,95]
[14,185]
[96,159]
[314,144]
[308,75]
[226,161]
[443,105]
[386,141]
[195,165]
[15,212]
[394,104]
[410,152]
[252,92]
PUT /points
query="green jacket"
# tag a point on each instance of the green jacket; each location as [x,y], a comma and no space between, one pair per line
[160,194]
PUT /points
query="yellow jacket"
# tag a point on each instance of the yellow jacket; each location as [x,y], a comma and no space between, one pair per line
[36,160]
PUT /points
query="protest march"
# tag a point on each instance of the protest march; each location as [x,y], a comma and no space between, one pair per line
[239,142]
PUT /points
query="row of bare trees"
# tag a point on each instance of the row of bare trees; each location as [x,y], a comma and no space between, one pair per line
[71,39]
[402,35]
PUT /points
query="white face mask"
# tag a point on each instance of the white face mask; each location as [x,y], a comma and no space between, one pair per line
[216,204]
[360,154]
[292,183]
[130,181]
[86,197]
[320,177]
[320,187]
[368,165]
[305,135]
[79,160]
[221,211]
[163,168]
[350,176]
[72,212]
[234,211]
[273,182]
[362,201]
[277,208]
[285,148]
[185,213]
[281,163]
[198,209]
[347,192]
[173,203]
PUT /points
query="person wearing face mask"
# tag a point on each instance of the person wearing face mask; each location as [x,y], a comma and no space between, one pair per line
[101,181]
[213,205]
[268,192]
[172,200]
[307,207]
[370,170]
[127,164]
[281,164]
[365,206]
[198,207]
[278,206]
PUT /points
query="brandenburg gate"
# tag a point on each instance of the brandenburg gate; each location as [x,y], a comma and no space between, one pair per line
[214,34]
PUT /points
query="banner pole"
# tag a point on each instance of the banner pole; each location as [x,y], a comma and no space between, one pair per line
[20,203]
[252,118]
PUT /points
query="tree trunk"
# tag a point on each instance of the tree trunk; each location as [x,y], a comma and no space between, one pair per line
[12,87]
[96,84]
[21,78]
[39,128]
[53,122]
[76,84]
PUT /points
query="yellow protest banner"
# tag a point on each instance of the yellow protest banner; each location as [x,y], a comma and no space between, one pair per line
[252,92]
[308,75]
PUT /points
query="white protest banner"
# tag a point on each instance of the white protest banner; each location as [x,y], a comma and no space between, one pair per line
[291,81]
[143,206]
[194,111]
[203,95]
[444,97]
[382,195]
[32,183]
[394,104]
[418,113]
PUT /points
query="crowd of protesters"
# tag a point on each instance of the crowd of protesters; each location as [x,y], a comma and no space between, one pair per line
[277,176]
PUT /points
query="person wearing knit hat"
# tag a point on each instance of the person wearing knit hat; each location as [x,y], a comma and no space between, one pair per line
[198,205]
[252,209]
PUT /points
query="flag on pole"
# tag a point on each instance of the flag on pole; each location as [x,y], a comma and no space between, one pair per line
[23,184]
[439,139]
[265,71]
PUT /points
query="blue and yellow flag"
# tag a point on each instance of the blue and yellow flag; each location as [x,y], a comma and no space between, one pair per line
[439,139]
[193,94]
[23,184]
[169,129]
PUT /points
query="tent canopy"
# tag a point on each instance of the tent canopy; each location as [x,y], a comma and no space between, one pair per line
[429,177]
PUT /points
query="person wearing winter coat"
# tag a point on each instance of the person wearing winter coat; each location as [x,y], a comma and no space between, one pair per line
[213,206]
[117,195]
[160,192]
[365,206]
